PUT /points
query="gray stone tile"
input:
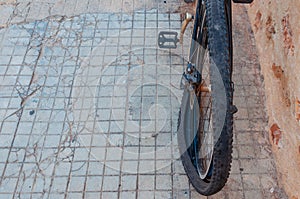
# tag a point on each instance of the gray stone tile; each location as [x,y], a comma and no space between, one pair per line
[131,154]
[92,194]
[129,194]
[20,141]
[93,183]
[62,169]
[110,183]
[109,194]
[98,153]
[163,194]
[76,183]
[146,182]
[74,195]
[163,182]
[95,168]
[8,185]
[81,154]
[112,168]
[146,194]
[128,182]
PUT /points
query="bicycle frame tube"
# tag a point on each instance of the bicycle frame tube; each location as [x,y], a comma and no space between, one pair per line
[195,29]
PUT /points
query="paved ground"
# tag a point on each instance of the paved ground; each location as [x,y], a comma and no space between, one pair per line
[74,80]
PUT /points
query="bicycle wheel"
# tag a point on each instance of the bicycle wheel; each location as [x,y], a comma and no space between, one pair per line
[206,114]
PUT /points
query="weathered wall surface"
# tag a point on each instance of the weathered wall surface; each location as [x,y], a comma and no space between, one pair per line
[277,32]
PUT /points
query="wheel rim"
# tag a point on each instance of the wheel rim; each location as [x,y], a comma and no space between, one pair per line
[204,140]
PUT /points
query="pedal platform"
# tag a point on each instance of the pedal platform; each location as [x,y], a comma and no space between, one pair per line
[168,39]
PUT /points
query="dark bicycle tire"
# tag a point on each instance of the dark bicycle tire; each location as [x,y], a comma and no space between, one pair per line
[218,26]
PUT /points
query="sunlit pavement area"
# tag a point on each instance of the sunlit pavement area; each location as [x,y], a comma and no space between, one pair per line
[89,104]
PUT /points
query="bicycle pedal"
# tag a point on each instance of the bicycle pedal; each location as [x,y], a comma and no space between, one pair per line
[168,39]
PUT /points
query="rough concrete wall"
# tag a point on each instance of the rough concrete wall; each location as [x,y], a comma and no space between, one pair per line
[276,27]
